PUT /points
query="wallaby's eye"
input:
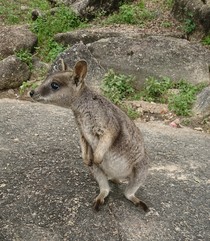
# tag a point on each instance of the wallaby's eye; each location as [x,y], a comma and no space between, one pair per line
[55,86]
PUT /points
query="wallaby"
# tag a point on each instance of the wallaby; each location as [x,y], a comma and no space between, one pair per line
[111,144]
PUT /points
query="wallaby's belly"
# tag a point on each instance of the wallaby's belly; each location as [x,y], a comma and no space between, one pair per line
[116,166]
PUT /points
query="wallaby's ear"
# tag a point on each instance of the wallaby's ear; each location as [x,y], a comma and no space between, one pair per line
[64,66]
[80,71]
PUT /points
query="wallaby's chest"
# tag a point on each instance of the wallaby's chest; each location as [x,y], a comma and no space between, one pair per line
[90,128]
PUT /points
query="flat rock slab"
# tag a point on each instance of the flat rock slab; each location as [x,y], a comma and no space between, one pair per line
[157,56]
[46,192]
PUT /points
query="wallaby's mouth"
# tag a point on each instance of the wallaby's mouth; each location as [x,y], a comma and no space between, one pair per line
[36,97]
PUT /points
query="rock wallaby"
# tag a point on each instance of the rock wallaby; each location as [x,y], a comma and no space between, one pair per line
[112,146]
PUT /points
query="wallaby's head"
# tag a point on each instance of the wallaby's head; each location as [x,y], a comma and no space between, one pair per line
[63,87]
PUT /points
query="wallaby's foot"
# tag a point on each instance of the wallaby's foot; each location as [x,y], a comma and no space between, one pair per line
[138,202]
[99,200]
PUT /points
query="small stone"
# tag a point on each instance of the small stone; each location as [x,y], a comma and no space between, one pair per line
[11,92]
[198,128]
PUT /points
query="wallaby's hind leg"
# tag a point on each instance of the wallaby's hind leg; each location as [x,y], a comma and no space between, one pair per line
[103,183]
[136,180]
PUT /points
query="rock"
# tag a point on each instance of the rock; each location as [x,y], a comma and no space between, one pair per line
[13,72]
[15,38]
[157,56]
[88,9]
[47,192]
[39,69]
[202,104]
[72,55]
[85,35]
[195,10]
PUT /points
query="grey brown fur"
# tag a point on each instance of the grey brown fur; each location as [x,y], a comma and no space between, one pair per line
[112,146]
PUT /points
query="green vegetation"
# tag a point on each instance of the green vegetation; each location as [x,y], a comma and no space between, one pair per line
[179,96]
[18,12]
[47,26]
[26,57]
[169,3]
[117,87]
[131,14]
[206,40]
[189,25]
[25,85]
[179,101]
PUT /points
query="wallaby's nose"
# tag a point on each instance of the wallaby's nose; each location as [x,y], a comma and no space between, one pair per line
[31,93]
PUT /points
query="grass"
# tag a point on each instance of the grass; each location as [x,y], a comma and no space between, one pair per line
[189,25]
[118,88]
[179,101]
[131,14]
[19,12]
[45,27]
[26,57]
[206,40]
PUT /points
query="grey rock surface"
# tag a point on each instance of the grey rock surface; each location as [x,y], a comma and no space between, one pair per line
[90,8]
[202,104]
[15,38]
[77,52]
[13,72]
[46,193]
[196,10]
[85,35]
[157,56]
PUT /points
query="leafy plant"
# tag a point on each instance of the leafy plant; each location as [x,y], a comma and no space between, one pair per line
[131,112]
[169,3]
[47,26]
[13,13]
[25,56]
[25,85]
[180,102]
[206,40]
[131,14]
[117,87]
[166,24]
[189,24]
[155,90]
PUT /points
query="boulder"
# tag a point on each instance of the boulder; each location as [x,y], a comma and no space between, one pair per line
[15,38]
[90,8]
[195,10]
[202,104]
[157,56]
[13,72]
[75,53]
[85,35]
